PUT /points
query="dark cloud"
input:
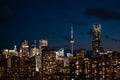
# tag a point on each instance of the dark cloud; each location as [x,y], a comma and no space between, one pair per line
[113,39]
[119,40]
[102,13]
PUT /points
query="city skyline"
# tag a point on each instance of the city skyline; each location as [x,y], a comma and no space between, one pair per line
[51,20]
[45,63]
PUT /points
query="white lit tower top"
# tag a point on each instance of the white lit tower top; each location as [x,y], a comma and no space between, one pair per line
[43,43]
[97,28]
[72,40]
[15,47]
[25,48]
[96,39]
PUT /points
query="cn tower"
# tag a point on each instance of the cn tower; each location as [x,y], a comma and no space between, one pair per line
[72,41]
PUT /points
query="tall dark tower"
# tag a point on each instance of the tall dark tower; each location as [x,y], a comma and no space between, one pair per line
[96,39]
[72,41]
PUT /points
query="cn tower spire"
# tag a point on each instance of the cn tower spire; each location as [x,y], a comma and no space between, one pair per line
[72,41]
[71,32]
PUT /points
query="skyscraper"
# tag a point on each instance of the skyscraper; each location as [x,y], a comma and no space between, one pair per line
[96,39]
[43,43]
[25,48]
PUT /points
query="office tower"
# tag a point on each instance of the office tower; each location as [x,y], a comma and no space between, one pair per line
[25,48]
[38,62]
[34,50]
[43,43]
[6,53]
[96,39]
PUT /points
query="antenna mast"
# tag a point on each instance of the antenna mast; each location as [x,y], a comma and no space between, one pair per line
[72,40]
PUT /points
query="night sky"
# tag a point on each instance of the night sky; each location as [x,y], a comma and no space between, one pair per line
[51,19]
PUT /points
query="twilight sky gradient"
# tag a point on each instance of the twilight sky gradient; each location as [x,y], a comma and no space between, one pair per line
[51,20]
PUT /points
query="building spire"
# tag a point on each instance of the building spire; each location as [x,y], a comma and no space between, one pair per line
[72,40]
[71,31]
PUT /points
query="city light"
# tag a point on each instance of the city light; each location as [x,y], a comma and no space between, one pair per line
[46,63]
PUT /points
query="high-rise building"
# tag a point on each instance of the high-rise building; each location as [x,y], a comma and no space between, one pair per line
[60,53]
[96,39]
[38,62]
[25,48]
[34,50]
[43,43]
